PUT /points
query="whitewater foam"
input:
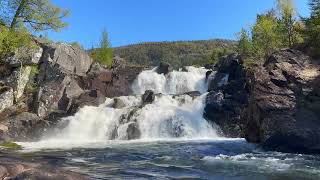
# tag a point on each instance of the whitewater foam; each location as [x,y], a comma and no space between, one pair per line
[176,82]
[169,117]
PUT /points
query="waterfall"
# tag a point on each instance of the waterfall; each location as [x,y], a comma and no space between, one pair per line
[172,115]
[176,82]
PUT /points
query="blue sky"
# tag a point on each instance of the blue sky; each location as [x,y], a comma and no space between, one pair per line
[134,21]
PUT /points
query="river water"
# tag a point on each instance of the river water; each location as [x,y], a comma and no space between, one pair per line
[174,141]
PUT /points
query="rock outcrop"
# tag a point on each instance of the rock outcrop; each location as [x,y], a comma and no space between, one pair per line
[227,97]
[274,104]
[283,112]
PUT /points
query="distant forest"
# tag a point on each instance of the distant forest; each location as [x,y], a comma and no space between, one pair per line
[178,53]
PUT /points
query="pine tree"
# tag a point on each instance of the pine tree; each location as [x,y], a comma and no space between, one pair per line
[245,44]
[37,15]
[312,31]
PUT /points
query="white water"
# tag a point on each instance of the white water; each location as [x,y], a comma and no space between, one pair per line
[175,82]
[167,118]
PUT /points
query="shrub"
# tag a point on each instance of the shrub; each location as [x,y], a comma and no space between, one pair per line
[11,40]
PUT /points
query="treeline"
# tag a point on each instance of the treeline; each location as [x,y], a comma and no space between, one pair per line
[281,27]
[178,54]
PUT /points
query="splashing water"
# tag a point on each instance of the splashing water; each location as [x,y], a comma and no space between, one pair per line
[176,82]
[168,117]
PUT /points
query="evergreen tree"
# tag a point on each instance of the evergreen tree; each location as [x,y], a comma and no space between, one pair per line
[37,15]
[266,37]
[312,30]
[287,22]
[103,54]
[245,44]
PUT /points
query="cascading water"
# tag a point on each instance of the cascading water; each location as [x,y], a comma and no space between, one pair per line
[171,115]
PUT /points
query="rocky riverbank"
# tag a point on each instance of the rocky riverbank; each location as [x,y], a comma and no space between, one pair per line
[43,84]
[275,104]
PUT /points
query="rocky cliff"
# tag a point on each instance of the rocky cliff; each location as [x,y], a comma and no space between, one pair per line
[40,85]
[275,103]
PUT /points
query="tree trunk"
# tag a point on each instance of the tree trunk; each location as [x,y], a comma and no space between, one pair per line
[17,13]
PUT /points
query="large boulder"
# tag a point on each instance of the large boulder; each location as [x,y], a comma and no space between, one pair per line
[283,112]
[69,59]
[57,95]
[164,68]
[60,68]
[90,98]
[148,97]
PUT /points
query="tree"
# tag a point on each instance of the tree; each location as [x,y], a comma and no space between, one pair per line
[265,34]
[312,28]
[37,15]
[245,44]
[287,21]
[103,54]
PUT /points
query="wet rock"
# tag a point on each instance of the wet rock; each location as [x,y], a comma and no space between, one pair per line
[148,97]
[6,98]
[192,94]
[133,131]
[208,74]
[118,103]
[228,96]
[163,68]
[209,66]
[90,98]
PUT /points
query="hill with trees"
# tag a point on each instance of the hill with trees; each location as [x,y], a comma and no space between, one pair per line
[178,54]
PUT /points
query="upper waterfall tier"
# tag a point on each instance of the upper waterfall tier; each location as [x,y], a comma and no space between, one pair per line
[176,82]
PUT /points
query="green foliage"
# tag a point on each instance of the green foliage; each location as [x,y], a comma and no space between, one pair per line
[11,40]
[11,146]
[104,54]
[245,43]
[37,15]
[178,54]
[76,44]
[287,22]
[218,53]
[266,37]
[312,28]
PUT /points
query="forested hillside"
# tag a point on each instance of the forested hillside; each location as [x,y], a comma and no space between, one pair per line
[178,54]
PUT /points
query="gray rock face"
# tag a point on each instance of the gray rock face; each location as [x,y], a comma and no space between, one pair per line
[57,95]
[60,68]
[69,59]
[6,98]
[25,56]
[18,80]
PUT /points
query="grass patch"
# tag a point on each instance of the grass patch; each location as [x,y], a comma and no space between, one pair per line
[11,146]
